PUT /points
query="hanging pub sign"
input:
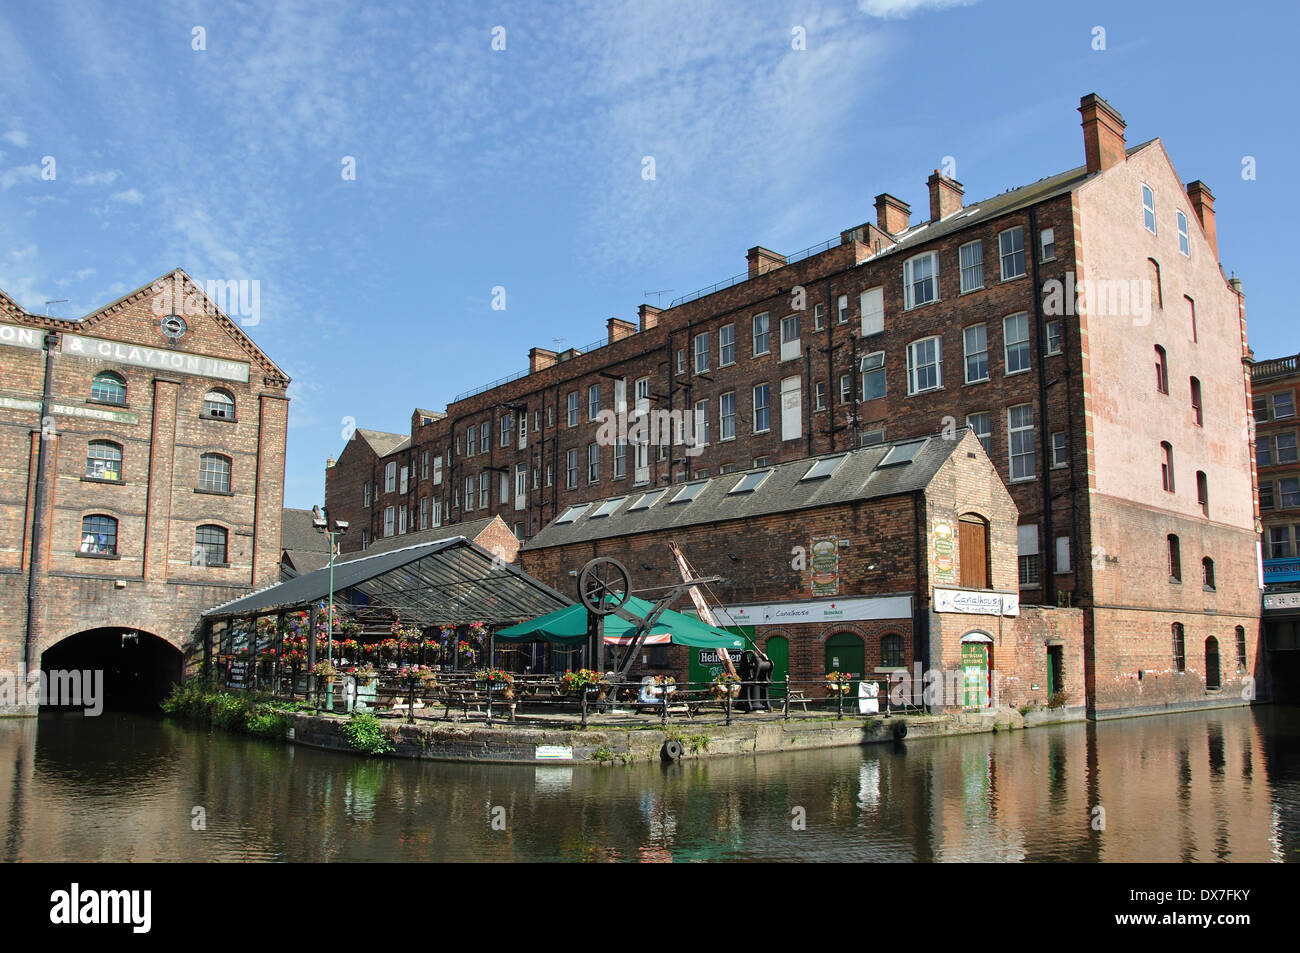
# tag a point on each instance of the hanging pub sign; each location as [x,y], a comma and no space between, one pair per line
[824,561]
[942,544]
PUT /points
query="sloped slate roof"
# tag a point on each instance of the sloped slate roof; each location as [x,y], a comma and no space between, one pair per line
[863,474]
[381,442]
[298,535]
[470,529]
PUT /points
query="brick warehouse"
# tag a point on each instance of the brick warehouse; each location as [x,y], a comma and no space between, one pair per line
[846,562]
[1068,309]
[162,486]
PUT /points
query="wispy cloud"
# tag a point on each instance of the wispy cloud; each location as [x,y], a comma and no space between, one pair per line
[130,197]
[15,137]
[19,173]
[107,177]
[901,9]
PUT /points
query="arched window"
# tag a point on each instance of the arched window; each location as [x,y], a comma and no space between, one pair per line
[891,651]
[1212,681]
[218,404]
[1175,559]
[108,388]
[104,460]
[1162,370]
[1167,465]
[1180,650]
[1241,648]
[210,546]
[99,536]
[214,473]
[1207,573]
[1203,492]
[973,551]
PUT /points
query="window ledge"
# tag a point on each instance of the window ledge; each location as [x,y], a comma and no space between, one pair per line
[81,555]
[1003,281]
[982,380]
[212,565]
[123,405]
[970,291]
[91,479]
[214,492]
[1025,370]
[220,420]
[928,390]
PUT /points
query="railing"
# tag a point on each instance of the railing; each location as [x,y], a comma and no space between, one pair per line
[741,278]
[585,349]
[1277,367]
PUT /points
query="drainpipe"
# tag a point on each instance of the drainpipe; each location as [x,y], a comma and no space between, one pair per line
[1040,338]
[920,611]
[40,505]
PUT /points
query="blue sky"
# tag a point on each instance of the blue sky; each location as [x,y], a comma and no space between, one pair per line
[522,168]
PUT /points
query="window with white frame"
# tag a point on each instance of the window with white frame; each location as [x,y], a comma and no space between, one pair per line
[842,309]
[727,416]
[620,391]
[573,408]
[873,375]
[819,317]
[485,437]
[1053,342]
[593,463]
[437,470]
[390,477]
[366,494]
[506,429]
[981,425]
[872,305]
[436,519]
[214,473]
[484,497]
[790,337]
[401,519]
[1027,548]
[424,465]
[819,395]
[726,345]
[620,460]
[1148,208]
[1020,441]
[390,521]
[762,334]
[424,512]
[846,389]
[701,423]
[762,408]
[1015,342]
[503,488]
[975,341]
[1046,245]
[681,362]
[523,430]
[1283,405]
[641,390]
[1060,454]
[593,401]
[921,280]
[971,259]
[550,475]
[571,469]
[1184,241]
[925,365]
[702,352]
[404,481]
[1011,253]
[469,493]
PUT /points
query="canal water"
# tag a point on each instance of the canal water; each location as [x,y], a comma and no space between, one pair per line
[1216,786]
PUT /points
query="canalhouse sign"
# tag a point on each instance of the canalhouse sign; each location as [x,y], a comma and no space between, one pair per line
[976,603]
[71,410]
[161,358]
[839,610]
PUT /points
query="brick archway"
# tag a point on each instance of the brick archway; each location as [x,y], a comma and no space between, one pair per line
[124,667]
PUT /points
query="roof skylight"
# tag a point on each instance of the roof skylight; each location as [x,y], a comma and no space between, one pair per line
[751,481]
[824,468]
[572,513]
[689,492]
[902,453]
[609,506]
[647,500]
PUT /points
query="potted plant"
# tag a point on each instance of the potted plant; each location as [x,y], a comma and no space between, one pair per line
[725,684]
[664,684]
[467,652]
[838,682]
[496,680]
[581,680]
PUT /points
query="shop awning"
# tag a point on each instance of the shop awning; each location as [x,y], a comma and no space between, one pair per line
[568,626]
[445,582]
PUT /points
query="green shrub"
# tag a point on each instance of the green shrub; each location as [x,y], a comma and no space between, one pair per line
[266,722]
[365,732]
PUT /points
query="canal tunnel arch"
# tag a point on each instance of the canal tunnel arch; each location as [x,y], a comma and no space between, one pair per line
[138,668]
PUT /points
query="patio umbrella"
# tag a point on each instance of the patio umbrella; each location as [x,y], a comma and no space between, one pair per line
[568,626]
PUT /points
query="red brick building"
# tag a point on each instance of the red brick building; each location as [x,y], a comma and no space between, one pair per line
[887,561]
[141,481]
[1080,325]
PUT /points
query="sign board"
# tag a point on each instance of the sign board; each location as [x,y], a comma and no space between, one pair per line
[163,359]
[841,610]
[236,673]
[976,603]
[553,753]
[71,410]
[824,561]
[30,338]
[943,545]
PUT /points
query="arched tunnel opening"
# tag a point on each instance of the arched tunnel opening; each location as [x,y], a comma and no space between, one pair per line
[125,669]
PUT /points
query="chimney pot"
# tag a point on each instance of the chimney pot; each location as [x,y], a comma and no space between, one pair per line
[1103,133]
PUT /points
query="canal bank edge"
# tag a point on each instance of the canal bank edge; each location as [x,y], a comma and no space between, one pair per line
[626,745]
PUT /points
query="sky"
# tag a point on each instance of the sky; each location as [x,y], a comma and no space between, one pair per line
[387,173]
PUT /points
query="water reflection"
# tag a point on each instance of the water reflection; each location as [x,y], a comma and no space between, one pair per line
[1203,787]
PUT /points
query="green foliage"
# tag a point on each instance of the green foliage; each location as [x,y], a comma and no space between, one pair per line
[259,715]
[697,742]
[602,754]
[366,733]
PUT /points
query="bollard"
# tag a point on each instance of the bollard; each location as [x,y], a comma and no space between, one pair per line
[787,696]
[582,693]
[410,704]
[728,697]
[839,702]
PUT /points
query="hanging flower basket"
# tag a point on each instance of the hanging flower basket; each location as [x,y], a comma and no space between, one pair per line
[495,680]
[837,682]
[725,684]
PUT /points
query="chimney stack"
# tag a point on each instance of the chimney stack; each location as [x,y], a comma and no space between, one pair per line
[892,214]
[762,260]
[1202,199]
[1103,133]
[539,358]
[945,196]
[648,315]
[618,329]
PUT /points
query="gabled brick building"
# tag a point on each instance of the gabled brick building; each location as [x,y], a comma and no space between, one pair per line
[1080,325]
[141,480]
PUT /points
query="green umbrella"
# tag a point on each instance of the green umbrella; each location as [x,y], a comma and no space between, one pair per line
[568,626]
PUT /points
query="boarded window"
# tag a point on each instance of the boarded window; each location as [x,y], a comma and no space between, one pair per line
[973,552]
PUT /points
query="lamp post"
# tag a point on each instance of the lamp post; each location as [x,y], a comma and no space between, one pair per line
[321,520]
